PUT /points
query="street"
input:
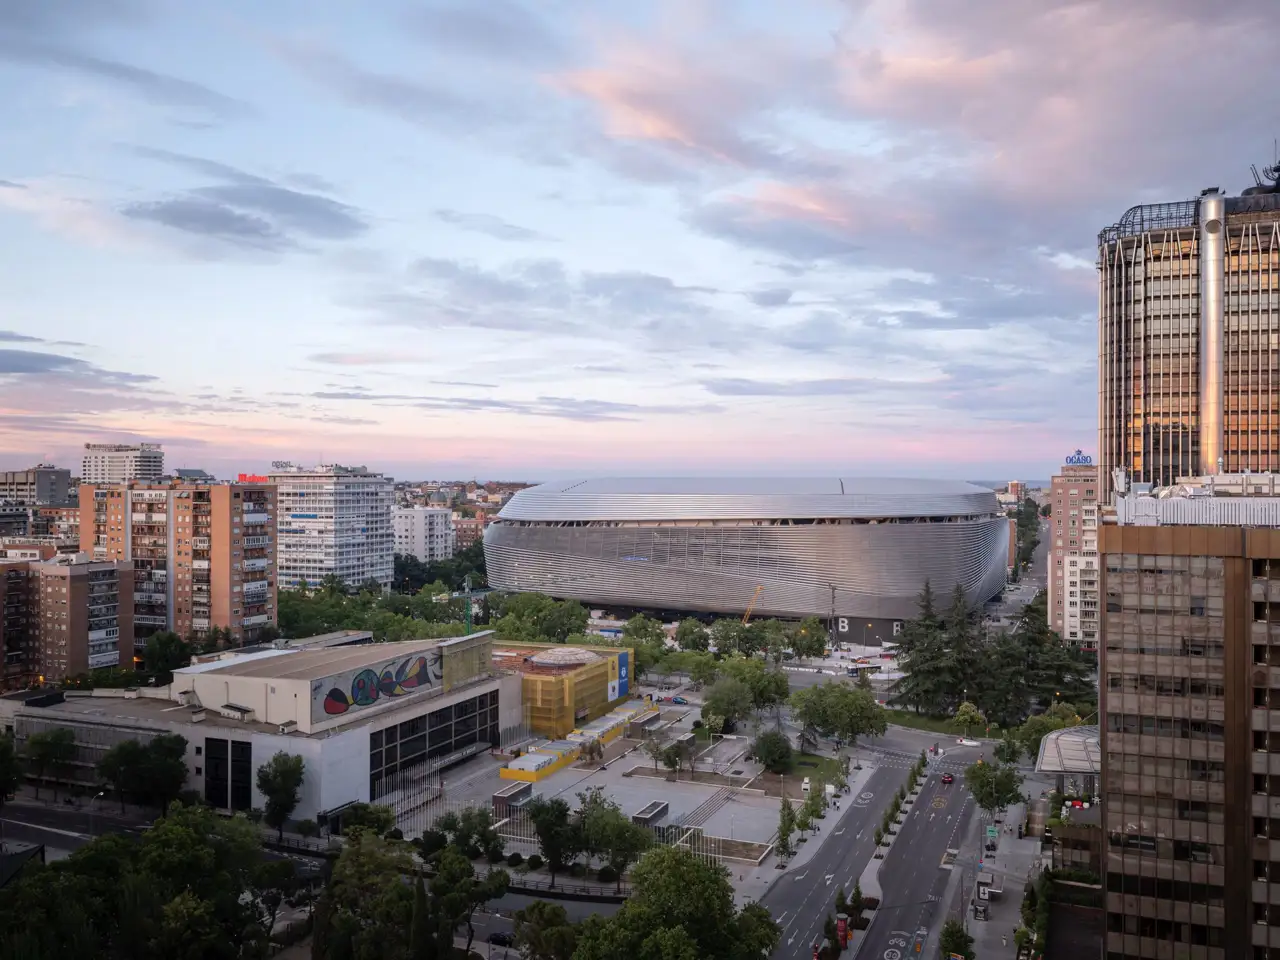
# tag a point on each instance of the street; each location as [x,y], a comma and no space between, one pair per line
[912,877]
[800,902]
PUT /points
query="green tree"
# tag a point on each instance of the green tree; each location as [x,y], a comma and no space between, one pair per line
[50,753]
[367,907]
[280,783]
[543,932]
[955,940]
[421,923]
[369,818]
[1008,750]
[726,636]
[122,768]
[768,687]
[643,630]
[559,837]
[692,635]
[610,833]
[460,893]
[967,715]
[473,832]
[10,768]
[673,758]
[863,680]
[680,907]
[730,698]
[786,827]
[809,638]
[1033,731]
[164,770]
[773,750]
[993,785]
[165,652]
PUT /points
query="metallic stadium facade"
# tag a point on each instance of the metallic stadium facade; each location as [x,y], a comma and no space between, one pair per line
[854,548]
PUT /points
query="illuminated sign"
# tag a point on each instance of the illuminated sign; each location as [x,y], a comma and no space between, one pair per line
[251,478]
[1079,459]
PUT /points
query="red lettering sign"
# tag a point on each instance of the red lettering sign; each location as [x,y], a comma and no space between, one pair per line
[251,478]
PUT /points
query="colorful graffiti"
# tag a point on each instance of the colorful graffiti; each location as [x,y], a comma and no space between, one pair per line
[390,680]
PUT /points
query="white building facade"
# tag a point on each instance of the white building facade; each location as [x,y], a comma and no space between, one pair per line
[333,520]
[423,532]
[121,462]
[1073,552]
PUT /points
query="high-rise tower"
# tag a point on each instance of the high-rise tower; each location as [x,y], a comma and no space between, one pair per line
[1189,337]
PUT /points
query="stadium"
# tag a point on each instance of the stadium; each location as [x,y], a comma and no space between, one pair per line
[856,548]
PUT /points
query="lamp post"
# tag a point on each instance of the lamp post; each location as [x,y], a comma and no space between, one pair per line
[93,808]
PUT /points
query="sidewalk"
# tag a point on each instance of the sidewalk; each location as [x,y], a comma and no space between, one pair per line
[1015,861]
[752,883]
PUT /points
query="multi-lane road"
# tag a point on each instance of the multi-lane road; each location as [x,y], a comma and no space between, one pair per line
[914,875]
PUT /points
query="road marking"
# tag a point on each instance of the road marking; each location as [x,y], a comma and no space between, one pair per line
[829,877]
[838,832]
[36,826]
[802,876]
[939,802]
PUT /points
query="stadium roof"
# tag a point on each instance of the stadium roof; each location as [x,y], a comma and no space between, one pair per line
[748,498]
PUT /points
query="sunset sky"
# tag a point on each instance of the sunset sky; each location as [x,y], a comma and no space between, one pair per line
[528,240]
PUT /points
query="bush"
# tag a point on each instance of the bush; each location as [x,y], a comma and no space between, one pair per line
[395,833]
[697,724]
[607,874]
[861,923]
[495,856]
[577,870]
[514,859]
[535,862]
[870,903]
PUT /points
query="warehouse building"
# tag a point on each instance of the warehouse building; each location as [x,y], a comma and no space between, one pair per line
[361,717]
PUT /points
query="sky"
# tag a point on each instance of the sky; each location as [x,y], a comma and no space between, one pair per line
[510,240]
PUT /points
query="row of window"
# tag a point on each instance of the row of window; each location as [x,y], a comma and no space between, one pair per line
[1164,686]
[1180,728]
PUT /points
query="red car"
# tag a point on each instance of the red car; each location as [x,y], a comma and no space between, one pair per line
[948,778]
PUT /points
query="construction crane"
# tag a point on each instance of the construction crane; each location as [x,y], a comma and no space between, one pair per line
[746,617]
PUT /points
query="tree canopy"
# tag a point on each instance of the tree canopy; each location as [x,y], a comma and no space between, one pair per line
[536,618]
[411,574]
[179,890]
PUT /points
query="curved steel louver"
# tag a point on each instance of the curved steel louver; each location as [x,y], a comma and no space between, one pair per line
[706,544]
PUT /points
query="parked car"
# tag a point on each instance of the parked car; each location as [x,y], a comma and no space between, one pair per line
[681,701]
[500,938]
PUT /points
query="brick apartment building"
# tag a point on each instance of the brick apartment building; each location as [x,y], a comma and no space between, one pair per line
[63,617]
[1073,554]
[203,554]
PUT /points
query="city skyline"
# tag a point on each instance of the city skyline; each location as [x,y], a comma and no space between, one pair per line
[532,241]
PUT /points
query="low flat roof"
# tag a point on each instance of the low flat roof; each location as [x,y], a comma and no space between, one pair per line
[1070,750]
[313,664]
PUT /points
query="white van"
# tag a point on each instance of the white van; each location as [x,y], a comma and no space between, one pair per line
[805,786]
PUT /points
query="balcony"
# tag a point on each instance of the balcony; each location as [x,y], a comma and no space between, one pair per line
[199,623]
[110,633]
[256,564]
[256,541]
[147,620]
[256,516]
[257,621]
[200,543]
[155,599]
[100,660]
[199,564]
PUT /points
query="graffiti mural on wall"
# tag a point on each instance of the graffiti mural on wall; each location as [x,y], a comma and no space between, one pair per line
[363,688]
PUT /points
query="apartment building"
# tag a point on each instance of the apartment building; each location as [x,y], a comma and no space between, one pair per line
[334,521]
[423,532]
[81,615]
[63,616]
[41,484]
[203,554]
[468,530]
[121,462]
[1190,719]
[61,522]
[1073,552]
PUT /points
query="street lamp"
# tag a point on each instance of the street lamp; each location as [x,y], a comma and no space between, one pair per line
[93,808]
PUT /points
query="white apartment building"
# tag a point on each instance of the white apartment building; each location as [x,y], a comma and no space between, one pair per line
[121,462]
[333,520]
[1073,552]
[423,532]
